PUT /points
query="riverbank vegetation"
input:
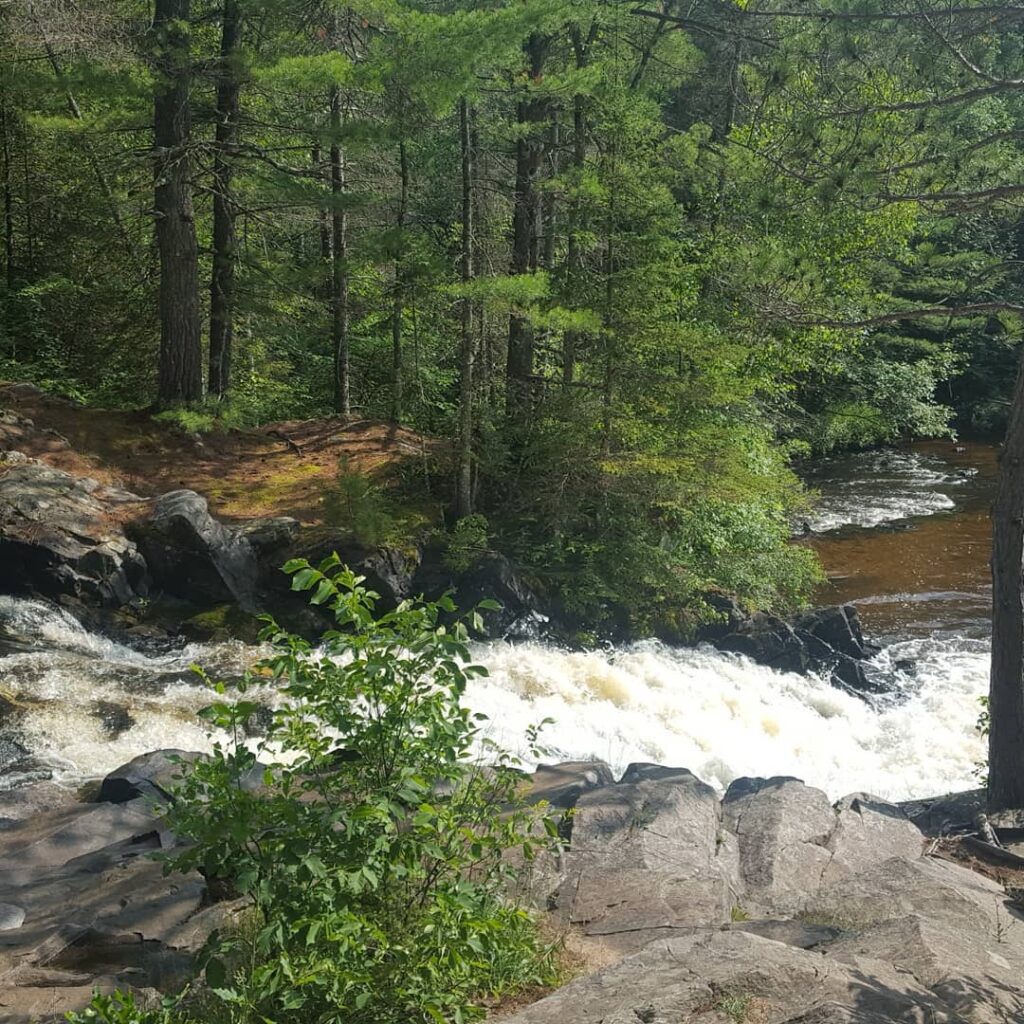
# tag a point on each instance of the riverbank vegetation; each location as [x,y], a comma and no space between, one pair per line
[375,839]
[626,264]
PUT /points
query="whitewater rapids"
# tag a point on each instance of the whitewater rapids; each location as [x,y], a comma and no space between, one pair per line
[719,715]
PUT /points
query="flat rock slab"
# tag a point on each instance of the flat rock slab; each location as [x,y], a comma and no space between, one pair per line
[953,930]
[695,977]
[84,905]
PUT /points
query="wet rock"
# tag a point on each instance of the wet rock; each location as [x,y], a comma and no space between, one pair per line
[153,775]
[192,555]
[115,719]
[827,640]
[494,577]
[60,535]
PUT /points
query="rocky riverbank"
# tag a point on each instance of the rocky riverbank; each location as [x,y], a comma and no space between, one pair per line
[768,905]
[151,566]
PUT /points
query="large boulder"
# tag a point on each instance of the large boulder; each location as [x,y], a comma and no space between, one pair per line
[828,641]
[153,775]
[792,841]
[648,856]
[783,828]
[193,556]
[61,536]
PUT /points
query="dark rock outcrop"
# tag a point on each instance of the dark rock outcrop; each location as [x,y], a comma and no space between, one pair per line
[827,640]
[192,555]
[61,536]
[152,776]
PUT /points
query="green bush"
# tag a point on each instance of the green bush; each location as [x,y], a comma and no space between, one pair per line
[375,849]
[354,503]
[466,542]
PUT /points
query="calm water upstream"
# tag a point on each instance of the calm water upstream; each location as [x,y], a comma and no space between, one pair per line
[903,533]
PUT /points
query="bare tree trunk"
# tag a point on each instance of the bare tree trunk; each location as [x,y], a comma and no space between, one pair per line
[322,289]
[339,264]
[1006,688]
[180,377]
[464,488]
[525,225]
[570,340]
[8,192]
[398,299]
[222,279]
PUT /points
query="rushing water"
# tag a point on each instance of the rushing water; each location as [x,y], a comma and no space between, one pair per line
[904,534]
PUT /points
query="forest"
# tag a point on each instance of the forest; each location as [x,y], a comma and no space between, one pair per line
[626,263]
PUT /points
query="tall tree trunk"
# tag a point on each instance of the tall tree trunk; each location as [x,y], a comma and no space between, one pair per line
[464,488]
[398,298]
[7,187]
[530,111]
[322,289]
[570,340]
[1006,686]
[180,377]
[339,264]
[222,278]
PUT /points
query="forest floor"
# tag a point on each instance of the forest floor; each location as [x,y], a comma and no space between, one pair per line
[280,469]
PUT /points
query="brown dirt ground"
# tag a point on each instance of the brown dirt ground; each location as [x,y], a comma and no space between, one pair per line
[278,469]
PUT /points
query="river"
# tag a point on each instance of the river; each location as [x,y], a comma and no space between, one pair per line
[903,533]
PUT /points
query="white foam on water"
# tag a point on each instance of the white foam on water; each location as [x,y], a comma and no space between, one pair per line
[880,487]
[718,715]
[723,717]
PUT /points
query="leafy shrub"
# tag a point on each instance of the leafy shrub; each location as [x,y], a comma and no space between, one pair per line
[356,504]
[121,1008]
[375,851]
[466,542]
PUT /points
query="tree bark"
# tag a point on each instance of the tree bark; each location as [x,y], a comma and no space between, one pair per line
[8,193]
[339,264]
[180,377]
[570,340]
[464,488]
[398,298]
[222,278]
[1006,685]
[530,112]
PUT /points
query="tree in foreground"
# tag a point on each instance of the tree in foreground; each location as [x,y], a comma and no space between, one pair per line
[373,846]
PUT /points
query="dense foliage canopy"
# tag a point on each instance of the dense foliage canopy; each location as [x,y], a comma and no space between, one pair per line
[631,259]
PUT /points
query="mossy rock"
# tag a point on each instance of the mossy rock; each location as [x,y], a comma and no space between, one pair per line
[220,623]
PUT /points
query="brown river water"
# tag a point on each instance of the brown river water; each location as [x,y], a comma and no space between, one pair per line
[925,571]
